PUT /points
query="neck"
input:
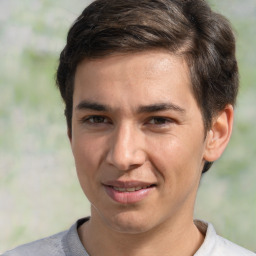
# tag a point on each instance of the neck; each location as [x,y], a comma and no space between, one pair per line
[171,238]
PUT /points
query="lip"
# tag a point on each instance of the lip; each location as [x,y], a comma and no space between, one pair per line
[125,197]
[127,184]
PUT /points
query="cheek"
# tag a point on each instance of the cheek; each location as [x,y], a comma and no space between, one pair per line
[86,161]
[86,153]
[175,157]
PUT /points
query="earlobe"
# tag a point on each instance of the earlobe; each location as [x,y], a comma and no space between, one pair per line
[219,134]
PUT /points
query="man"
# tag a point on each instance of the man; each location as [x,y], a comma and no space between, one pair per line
[149,88]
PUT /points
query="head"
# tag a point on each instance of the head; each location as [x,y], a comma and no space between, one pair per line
[188,29]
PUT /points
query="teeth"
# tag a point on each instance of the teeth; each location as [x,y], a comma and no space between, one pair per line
[129,189]
[119,189]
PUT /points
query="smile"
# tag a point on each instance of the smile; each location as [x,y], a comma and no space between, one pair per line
[128,192]
[130,189]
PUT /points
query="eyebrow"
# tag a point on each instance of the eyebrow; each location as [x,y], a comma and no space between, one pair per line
[83,105]
[160,107]
[88,105]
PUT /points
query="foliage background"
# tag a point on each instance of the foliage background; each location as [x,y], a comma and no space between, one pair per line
[39,191]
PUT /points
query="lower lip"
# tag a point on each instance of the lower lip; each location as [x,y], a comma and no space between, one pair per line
[128,197]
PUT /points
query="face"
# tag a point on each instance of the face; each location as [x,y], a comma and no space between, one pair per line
[137,139]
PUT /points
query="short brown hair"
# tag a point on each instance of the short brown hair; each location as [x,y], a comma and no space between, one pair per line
[185,27]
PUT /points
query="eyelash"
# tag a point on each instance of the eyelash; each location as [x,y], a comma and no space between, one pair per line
[163,120]
[104,120]
[87,119]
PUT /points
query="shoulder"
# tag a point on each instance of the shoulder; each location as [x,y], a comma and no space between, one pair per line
[215,245]
[226,247]
[51,245]
[66,243]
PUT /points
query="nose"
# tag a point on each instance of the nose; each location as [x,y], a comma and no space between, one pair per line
[126,148]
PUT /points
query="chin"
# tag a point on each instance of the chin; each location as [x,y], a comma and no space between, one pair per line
[130,222]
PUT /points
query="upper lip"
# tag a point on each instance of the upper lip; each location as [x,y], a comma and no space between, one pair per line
[127,184]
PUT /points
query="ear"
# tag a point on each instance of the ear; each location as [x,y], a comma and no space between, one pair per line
[218,136]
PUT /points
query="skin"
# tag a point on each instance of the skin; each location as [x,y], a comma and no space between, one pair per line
[135,119]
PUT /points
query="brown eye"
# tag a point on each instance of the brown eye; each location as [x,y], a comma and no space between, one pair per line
[159,120]
[97,119]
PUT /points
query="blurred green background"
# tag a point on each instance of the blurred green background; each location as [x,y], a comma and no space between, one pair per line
[39,191]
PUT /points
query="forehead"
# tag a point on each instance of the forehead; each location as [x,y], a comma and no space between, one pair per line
[140,78]
[149,61]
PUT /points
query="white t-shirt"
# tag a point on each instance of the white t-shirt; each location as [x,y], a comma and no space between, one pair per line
[215,245]
[67,243]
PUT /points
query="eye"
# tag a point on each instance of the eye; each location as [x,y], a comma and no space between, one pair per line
[160,121]
[95,120]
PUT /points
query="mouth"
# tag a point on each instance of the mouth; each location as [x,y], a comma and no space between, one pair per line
[131,189]
[128,192]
